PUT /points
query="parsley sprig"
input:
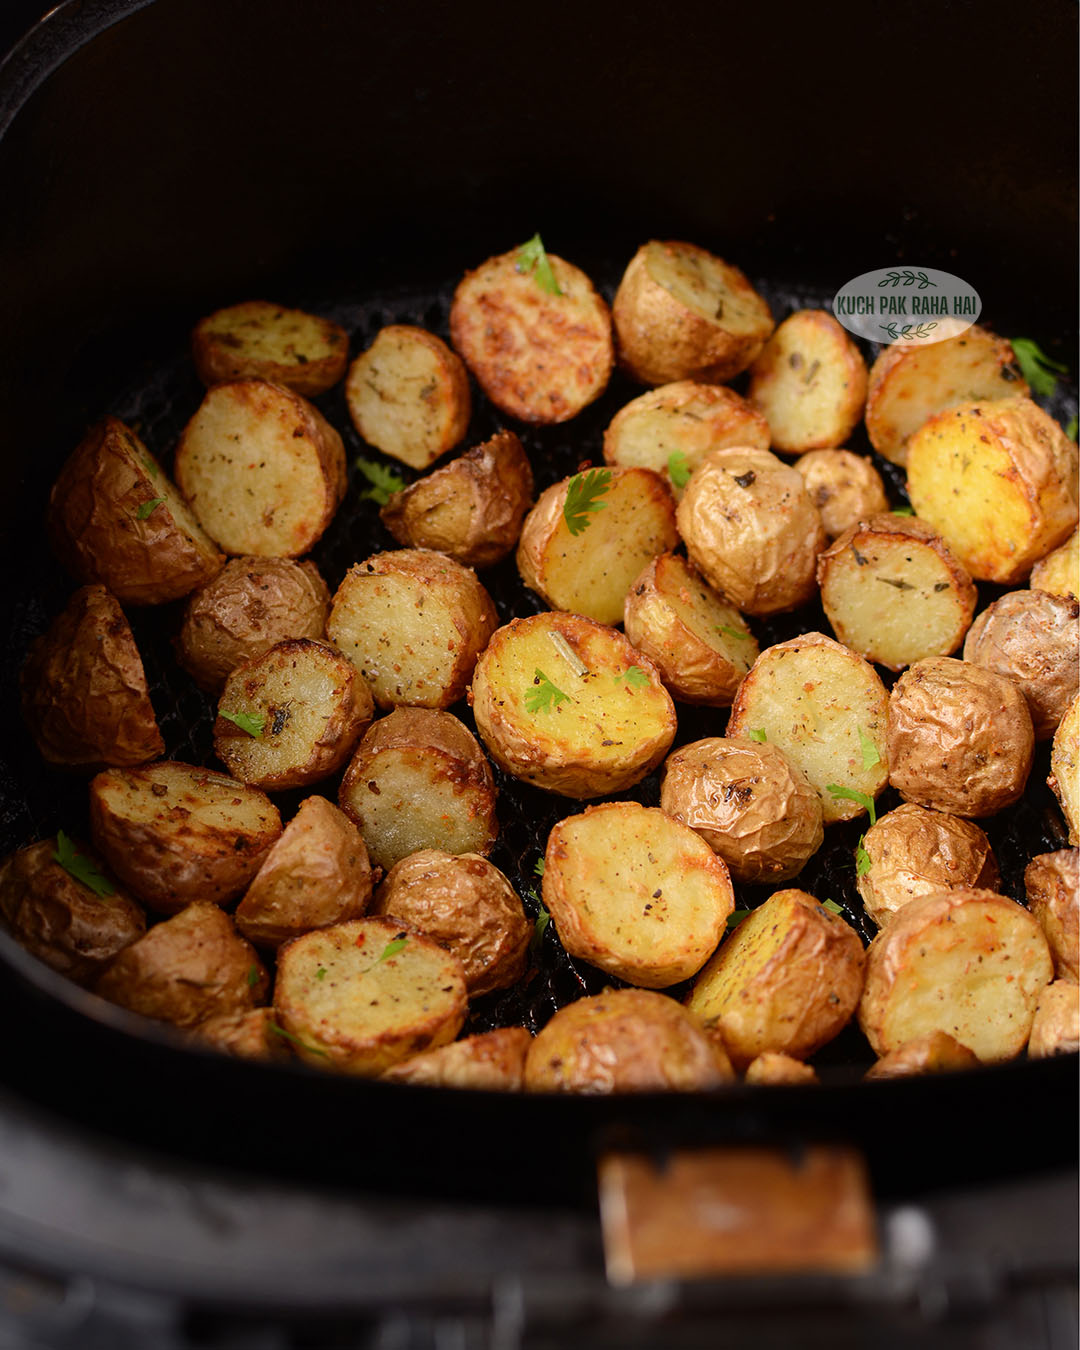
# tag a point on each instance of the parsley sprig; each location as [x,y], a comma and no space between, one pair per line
[532,257]
[678,467]
[851,795]
[634,676]
[870,754]
[757,734]
[542,695]
[1037,368]
[253,723]
[81,867]
[384,482]
[148,508]
[583,494]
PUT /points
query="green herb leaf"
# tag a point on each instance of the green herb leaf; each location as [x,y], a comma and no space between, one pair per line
[81,868]
[148,508]
[634,676]
[543,918]
[732,632]
[532,257]
[870,755]
[1036,367]
[903,510]
[393,947]
[543,696]
[540,867]
[736,917]
[384,482]
[253,723]
[288,1036]
[863,861]
[151,467]
[678,467]
[320,974]
[1071,428]
[850,795]
[757,734]
[832,906]
[252,976]
[583,495]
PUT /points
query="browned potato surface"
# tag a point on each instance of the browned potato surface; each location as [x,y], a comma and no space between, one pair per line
[491,1062]
[845,488]
[262,468]
[252,1034]
[1065,768]
[748,802]
[960,738]
[471,509]
[467,906]
[1059,571]
[772,1067]
[317,874]
[116,519]
[84,693]
[937,1052]
[262,341]
[1052,886]
[1056,1028]
[177,834]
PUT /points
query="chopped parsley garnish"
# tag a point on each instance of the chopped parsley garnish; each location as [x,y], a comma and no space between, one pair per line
[583,494]
[736,917]
[903,510]
[634,676]
[288,1036]
[542,695]
[1037,368]
[678,467]
[732,632]
[532,257]
[1071,428]
[757,734]
[384,482]
[870,755]
[252,976]
[81,868]
[540,867]
[148,508]
[851,795]
[320,974]
[253,723]
[151,467]
[863,862]
[393,947]
[832,906]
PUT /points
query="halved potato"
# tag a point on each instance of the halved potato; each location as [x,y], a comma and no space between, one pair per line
[1052,885]
[177,834]
[570,706]
[588,537]
[408,395]
[262,341]
[262,468]
[845,488]
[772,1067]
[1065,768]
[491,1062]
[419,780]
[937,1052]
[827,710]
[1056,1027]
[1059,571]
[967,962]
[251,1034]
[682,313]
[413,623]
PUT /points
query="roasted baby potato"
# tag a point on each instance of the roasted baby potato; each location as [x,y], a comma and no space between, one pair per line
[1032,638]
[360,996]
[894,592]
[260,341]
[682,313]
[699,643]
[419,780]
[250,606]
[491,1062]
[997,480]
[913,851]
[317,874]
[1065,768]
[291,716]
[624,1040]
[636,893]
[751,528]
[253,1034]
[787,979]
[116,519]
[937,1052]
[84,693]
[772,1068]
[748,802]
[588,537]
[262,468]
[186,970]
[540,352]
[845,488]
[52,912]
[960,738]
[1056,1026]
[909,384]
[570,706]
[967,962]
[408,395]
[472,509]
[176,834]
[467,906]
[413,623]
[810,382]
[827,710]
[1052,885]
[1059,571]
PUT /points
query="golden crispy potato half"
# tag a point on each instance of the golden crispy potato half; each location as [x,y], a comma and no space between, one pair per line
[1059,571]
[681,313]
[360,996]
[467,906]
[116,519]
[624,1040]
[699,643]
[61,920]
[188,969]
[845,488]
[471,509]
[937,1052]
[827,710]
[674,427]
[491,1062]
[419,780]
[253,1034]
[1052,885]
[264,471]
[787,979]
[84,693]
[967,962]
[772,1068]
[909,384]
[913,852]
[894,592]
[260,341]
[408,395]
[175,834]
[810,382]
[291,716]
[960,738]
[1056,1028]
[539,355]
[570,706]
[588,537]
[751,528]
[250,606]
[997,480]
[1032,638]
[413,623]
[1065,768]
[636,893]
[317,874]
[748,802]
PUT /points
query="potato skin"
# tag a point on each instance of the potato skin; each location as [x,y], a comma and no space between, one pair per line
[845,488]
[250,1034]
[84,691]
[773,1068]
[1052,885]
[1056,1028]
[1059,571]
[61,921]
[305,353]
[1065,768]
[491,1062]
[937,1052]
